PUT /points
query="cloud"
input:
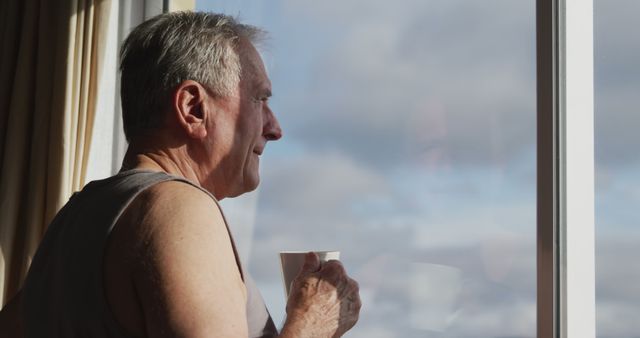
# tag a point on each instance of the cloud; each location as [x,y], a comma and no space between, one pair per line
[617,280]
[617,197]
[400,81]
[375,84]
[618,273]
[617,82]
[325,179]
[317,200]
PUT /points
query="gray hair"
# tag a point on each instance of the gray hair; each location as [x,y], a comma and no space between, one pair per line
[170,48]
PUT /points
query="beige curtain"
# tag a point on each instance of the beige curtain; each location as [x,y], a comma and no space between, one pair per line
[51,56]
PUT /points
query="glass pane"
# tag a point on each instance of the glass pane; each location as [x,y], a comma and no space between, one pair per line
[617,85]
[410,147]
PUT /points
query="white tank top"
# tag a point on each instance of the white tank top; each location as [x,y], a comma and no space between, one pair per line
[64,296]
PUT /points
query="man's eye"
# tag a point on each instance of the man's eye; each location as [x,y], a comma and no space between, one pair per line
[264,100]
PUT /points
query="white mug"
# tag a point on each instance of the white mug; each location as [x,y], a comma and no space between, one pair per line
[292,262]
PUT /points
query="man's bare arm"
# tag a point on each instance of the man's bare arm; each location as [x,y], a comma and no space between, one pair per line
[188,281]
[189,284]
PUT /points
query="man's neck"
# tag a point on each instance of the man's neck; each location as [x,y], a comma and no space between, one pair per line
[162,151]
[173,161]
[160,162]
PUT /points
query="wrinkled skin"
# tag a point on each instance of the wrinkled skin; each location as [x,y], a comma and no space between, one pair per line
[324,301]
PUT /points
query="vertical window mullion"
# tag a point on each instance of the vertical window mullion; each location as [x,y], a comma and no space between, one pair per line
[547,168]
[566,256]
[577,202]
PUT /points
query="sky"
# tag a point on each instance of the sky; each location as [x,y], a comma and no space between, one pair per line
[409,145]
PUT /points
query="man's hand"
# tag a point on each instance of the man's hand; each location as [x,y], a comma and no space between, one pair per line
[324,302]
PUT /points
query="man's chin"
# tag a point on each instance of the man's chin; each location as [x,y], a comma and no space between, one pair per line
[253,185]
[248,186]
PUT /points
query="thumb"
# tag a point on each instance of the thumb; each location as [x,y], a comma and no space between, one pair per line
[311,262]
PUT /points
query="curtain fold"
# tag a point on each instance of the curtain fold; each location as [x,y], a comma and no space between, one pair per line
[51,61]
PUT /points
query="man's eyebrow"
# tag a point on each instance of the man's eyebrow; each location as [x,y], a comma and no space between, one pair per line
[263,88]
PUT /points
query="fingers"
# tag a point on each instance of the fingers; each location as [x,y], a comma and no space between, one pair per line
[350,305]
[354,296]
[347,289]
[333,272]
[350,290]
[324,299]
[350,298]
[311,263]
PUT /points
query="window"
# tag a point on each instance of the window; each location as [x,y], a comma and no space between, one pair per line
[617,84]
[410,146]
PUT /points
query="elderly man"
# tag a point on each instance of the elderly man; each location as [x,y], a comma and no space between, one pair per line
[147,252]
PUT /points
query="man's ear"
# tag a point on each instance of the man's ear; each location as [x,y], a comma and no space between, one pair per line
[189,107]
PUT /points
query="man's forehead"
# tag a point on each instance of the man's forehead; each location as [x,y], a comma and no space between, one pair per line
[249,54]
[253,66]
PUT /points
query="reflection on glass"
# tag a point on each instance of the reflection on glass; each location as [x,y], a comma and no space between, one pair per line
[410,147]
[617,85]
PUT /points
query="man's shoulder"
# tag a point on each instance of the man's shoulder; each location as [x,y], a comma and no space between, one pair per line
[172,209]
[176,209]
[172,189]
[172,199]
[172,220]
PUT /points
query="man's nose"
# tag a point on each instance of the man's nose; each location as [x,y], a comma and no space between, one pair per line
[272,129]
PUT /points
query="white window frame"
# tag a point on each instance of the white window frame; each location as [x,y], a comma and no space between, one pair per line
[566,235]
